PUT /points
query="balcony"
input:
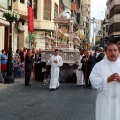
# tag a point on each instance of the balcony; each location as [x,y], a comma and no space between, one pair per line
[43,25]
[114,19]
[113,3]
[21,8]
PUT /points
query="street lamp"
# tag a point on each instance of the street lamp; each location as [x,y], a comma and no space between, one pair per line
[9,77]
[1,77]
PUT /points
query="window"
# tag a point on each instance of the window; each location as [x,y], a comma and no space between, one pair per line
[106,28]
[114,28]
[22,1]
[47,10]
[55,10]
[107,16]
[115,10]
[35,9]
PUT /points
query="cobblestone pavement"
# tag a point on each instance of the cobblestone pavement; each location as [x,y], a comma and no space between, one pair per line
[68,102]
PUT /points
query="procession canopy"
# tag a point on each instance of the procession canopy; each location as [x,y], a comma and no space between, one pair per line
[64,36]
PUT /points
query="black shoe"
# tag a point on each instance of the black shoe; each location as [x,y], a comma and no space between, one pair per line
[52,89]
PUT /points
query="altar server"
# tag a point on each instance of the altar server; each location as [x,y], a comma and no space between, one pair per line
[79,73]
[55,61]
[105,77]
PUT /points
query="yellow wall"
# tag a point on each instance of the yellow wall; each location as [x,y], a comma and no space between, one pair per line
[20,6]
[40,24]
[22,36]
[44,24]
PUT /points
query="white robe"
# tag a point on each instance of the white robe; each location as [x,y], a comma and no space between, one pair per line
[54,82]
[79,73]
[108,98]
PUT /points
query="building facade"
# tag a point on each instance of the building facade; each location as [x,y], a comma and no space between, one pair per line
[44,12]
[4,26]
[114,17]
[20,31]
[98,30]
[85,19]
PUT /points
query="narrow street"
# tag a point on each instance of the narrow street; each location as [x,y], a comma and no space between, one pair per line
[68,102]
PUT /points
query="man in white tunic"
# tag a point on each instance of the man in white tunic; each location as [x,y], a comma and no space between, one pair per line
[105,77]
[79,73]
[55,61]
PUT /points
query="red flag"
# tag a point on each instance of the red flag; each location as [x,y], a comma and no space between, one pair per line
[30,19]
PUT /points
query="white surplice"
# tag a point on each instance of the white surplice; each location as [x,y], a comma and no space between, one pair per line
[79,73]
[108,98]
[54,82]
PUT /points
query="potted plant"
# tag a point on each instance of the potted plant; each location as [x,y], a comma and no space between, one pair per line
[11,16]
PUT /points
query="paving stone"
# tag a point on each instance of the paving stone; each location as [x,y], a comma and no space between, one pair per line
[68,102]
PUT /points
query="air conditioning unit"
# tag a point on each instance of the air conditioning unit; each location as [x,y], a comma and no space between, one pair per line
[21,27]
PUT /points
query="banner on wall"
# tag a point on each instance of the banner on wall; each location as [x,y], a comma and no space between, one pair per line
[30,19]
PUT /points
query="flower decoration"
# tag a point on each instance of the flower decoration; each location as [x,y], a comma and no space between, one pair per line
[11,16]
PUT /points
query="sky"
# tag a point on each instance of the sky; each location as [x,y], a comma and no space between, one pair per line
[98,8]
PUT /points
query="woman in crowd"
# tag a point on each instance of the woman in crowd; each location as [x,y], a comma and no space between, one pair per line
[3,62]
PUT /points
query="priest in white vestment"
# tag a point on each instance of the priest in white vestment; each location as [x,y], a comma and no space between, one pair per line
[55,61]
[79,73]
[105,77]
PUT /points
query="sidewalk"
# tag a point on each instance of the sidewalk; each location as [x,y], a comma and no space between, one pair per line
[17,81]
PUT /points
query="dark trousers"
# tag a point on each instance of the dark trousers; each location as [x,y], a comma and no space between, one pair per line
[89,83]
[86,77]
[39,75]
[38,71]
[27,77]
